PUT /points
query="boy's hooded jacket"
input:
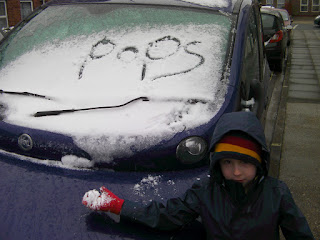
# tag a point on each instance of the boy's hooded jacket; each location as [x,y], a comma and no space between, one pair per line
[255,215]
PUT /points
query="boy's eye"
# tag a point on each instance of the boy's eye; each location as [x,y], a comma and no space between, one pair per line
[226,162]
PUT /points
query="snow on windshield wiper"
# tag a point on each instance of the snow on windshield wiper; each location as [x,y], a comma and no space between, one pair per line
[177,99]
[58,112]
[24,94]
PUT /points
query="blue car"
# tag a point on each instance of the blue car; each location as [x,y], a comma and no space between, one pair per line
[119,93]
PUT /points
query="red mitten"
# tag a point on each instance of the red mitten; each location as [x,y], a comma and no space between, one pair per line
[104,201]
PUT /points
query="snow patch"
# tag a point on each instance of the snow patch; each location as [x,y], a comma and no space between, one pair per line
[209,3]
[147,184]
[95,200]
[69,162]
[74,161]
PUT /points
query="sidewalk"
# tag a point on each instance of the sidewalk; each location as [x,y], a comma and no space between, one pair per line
[296,141]
[303,19]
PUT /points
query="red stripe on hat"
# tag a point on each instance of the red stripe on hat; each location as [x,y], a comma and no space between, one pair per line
[242,142]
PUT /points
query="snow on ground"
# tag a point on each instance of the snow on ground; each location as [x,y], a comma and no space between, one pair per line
[171,64]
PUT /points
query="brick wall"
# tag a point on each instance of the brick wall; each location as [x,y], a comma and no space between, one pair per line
[13,10]
[293,7]
[36,3]
[296,9]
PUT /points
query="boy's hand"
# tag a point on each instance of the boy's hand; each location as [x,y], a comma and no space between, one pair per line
[104,201]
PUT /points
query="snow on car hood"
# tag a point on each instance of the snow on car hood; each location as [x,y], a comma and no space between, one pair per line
[177,67]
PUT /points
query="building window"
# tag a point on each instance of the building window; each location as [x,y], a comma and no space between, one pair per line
[269,2]
[3,15]
[315,5]
[303,5]
[26,8]
[281,3]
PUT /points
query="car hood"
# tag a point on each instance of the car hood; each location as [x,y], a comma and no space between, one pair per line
[41,202]
[120,132]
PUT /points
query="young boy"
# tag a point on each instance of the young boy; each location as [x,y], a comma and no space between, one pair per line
[238,201]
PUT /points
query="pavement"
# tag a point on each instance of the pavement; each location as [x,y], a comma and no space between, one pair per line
[295,143]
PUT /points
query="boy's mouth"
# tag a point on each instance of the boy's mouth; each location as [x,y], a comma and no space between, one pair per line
[240,181]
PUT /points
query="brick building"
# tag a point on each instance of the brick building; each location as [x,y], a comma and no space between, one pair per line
[13,11]
[296,7]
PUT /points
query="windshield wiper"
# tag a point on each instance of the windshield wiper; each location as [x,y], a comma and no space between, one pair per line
[24,94]
[58,112]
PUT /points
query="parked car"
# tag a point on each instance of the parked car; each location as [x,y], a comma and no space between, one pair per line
[317,20]
[287,20]
[123,94]
[275,37]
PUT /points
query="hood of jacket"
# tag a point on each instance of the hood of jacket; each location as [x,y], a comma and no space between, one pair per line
[246,122]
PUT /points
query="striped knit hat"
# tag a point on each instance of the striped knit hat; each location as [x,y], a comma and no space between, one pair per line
[238,145]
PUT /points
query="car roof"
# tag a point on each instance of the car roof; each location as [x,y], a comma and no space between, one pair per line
[273,8]
[229,6]
[271,11]
[280,9]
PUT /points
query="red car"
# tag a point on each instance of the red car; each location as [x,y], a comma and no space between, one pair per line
[287,20]
[275,37]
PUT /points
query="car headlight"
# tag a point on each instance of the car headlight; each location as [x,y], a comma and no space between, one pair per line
[191,150]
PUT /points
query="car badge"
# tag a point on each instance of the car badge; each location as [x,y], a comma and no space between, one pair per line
[25,142]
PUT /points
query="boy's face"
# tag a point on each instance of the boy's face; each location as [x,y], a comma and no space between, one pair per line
[237,170]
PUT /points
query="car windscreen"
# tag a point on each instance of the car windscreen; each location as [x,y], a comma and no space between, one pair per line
[93,55]
[141,35]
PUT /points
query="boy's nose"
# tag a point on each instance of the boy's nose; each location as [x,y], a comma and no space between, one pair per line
[236,171]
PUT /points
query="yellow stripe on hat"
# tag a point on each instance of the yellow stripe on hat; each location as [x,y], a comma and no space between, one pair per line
[226,147]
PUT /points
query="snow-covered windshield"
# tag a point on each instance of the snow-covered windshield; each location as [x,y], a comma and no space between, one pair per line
[93,55]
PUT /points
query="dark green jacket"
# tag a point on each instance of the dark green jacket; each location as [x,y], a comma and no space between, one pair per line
[266,208]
